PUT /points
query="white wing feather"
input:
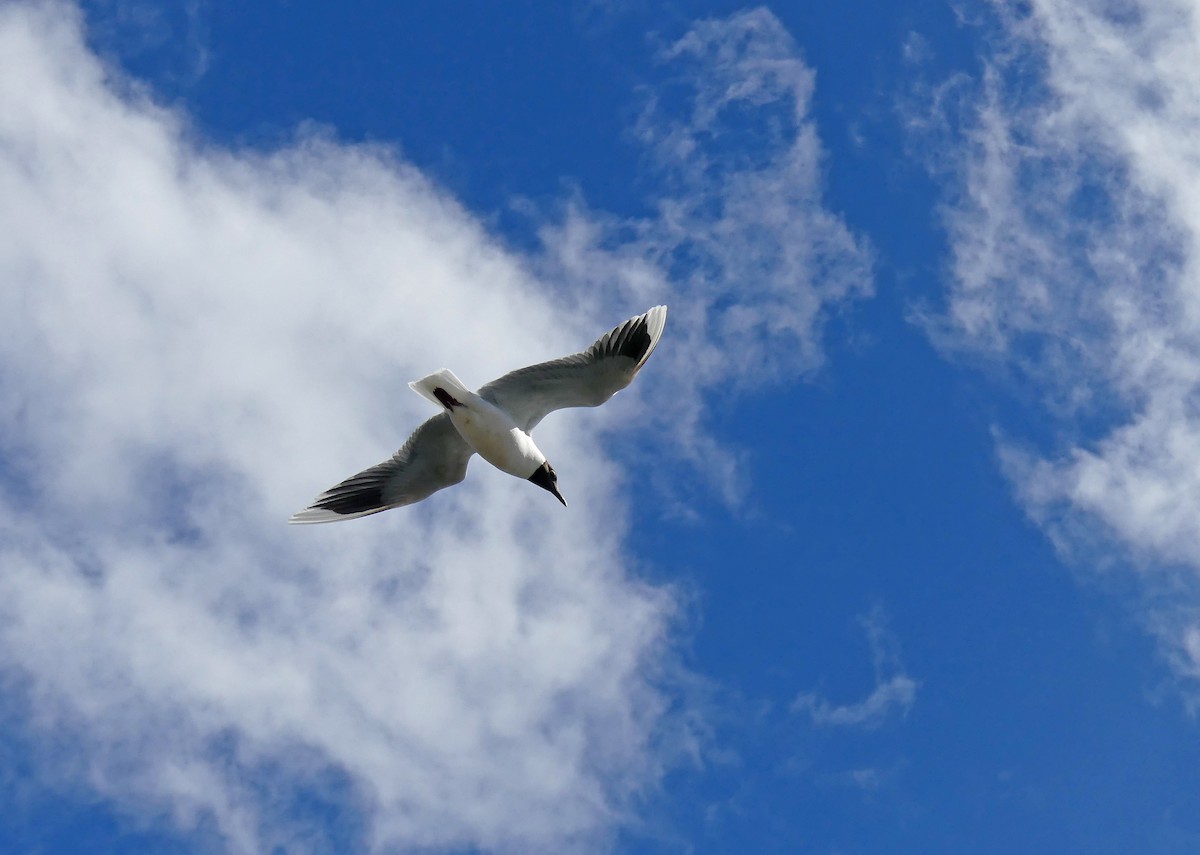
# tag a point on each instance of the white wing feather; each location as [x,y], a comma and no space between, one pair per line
[585,379]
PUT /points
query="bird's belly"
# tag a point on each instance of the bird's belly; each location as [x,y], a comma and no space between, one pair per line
[497,439]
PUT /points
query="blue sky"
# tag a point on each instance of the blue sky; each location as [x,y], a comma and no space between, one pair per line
[892,547]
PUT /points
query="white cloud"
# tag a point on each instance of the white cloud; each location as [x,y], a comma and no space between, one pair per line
[193,341]
[1076,260]
[894,690]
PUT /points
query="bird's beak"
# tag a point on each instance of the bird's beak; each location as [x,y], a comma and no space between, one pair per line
[545,479]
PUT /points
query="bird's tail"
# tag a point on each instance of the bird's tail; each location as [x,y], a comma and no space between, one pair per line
[442,388]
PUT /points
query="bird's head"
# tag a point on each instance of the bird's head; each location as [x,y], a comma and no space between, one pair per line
[546,478]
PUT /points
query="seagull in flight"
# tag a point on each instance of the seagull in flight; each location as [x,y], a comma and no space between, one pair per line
[495,422]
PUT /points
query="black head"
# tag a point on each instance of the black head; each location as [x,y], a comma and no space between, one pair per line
[547,479]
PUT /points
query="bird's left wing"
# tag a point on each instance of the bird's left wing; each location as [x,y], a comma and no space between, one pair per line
[585,379]
[434,457]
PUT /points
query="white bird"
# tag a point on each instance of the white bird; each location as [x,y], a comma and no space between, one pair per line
[495,422]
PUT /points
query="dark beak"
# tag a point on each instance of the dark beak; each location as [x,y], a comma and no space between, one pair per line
[545,478]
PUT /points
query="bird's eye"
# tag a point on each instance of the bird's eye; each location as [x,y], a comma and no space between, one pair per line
[553,475]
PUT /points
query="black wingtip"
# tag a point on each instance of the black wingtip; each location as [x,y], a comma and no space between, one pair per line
[351,501]
[635,341]
[358,494]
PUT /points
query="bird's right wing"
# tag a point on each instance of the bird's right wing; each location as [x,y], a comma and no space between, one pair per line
[434,457]
[585,379]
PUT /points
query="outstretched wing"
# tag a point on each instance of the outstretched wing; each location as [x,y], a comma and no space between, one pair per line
[434,457]
[585,379]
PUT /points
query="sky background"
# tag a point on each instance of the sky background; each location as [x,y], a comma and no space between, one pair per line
[894,545]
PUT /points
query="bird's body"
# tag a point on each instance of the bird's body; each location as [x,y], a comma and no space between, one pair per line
[495,422]
[490,431]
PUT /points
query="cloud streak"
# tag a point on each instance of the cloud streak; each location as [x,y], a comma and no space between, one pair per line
[895,691]
[1075,250]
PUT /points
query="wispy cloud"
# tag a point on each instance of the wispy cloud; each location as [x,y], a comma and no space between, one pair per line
[741,232]
[894,693]
[1075,260]
[193,340]
[175,35]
